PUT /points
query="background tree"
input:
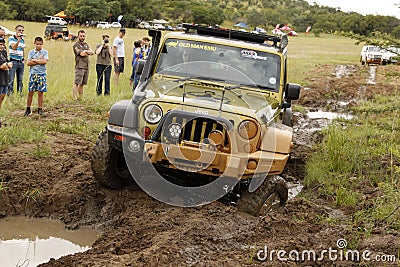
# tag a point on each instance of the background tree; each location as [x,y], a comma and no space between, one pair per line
[91,9]
[38,9]
[6,11]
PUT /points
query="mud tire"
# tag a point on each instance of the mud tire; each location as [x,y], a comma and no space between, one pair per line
[274,188]
[108,164]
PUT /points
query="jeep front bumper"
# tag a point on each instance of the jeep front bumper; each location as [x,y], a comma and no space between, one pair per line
[202,160]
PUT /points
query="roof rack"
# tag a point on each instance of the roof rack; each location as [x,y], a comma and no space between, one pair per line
[231,34]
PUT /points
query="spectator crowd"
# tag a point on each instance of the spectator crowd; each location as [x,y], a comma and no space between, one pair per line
[108,55]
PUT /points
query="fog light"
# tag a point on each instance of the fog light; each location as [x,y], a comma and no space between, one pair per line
[174,130]
[134,146]
[252,164]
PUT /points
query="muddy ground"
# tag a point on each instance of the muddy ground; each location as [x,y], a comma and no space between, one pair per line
[140,231]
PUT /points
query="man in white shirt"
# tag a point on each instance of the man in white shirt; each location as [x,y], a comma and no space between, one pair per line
[119,53]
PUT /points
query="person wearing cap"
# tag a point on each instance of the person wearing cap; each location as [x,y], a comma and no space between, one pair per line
[103,65]
[119,53]
[16,46]
[5,66]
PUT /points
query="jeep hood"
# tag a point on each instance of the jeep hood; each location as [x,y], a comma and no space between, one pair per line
[205,94]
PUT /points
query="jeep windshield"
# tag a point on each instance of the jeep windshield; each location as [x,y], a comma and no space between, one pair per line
[233,65]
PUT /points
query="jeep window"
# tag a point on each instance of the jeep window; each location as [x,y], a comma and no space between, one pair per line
[233,65]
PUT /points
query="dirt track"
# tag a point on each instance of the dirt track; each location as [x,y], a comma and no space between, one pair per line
[140,231]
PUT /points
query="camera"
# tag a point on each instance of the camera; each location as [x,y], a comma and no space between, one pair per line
[22,34]
[106,41]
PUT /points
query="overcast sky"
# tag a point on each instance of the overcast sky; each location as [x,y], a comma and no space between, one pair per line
[365,7]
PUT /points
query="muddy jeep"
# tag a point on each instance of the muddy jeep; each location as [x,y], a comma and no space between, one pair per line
[210,119]
[58,32]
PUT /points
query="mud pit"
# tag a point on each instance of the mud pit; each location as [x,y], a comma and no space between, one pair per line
[140,231]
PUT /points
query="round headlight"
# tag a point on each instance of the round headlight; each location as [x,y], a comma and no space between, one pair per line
[247,129]
[153,113]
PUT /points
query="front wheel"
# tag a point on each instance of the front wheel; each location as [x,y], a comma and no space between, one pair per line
[270,195]
[109,165]
[287,117]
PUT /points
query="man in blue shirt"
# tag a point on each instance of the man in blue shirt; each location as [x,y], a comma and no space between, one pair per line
[37,60]
[16,45]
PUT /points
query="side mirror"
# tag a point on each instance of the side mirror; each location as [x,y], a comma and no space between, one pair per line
[140,66]
[292,91]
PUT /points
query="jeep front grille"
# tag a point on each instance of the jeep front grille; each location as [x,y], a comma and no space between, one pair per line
[195,127]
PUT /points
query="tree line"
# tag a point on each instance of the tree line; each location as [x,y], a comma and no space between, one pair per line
[262,13]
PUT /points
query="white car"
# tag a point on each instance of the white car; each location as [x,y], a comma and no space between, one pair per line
[115,24]
[144,25]
[103,25]
[158,27]
[370,54]
[8,32]
[57,20]
[390,55]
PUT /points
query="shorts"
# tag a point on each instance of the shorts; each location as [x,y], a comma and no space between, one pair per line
[37,83]
[81,76]
[120,67]
[3,89]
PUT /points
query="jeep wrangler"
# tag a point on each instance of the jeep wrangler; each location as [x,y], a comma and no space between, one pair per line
[58,32]
[210,120]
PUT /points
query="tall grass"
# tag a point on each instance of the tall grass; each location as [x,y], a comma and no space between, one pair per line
[358,166]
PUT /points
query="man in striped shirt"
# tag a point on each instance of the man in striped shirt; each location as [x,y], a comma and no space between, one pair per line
[16,46]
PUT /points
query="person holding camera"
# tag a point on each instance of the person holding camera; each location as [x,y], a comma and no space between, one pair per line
[103,65]
[16,45]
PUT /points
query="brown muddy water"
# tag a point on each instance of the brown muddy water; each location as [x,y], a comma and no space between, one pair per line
[26,242]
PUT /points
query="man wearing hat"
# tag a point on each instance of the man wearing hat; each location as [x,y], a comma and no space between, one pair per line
[103,65]
[119,53]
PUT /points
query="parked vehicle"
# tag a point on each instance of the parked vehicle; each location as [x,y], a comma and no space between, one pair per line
[56,20]
[115,24]
[103,25]
[144,25]
[390,55]
[179,27]
[370,54]
[58,32]
[158,27]
[211,116]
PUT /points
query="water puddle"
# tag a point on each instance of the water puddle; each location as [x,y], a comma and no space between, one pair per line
[29,242]
[328,115]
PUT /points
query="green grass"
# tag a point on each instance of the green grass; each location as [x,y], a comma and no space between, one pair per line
[307,52]
[362,159]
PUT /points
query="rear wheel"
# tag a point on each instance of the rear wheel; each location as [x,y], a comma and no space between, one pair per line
[362,62]
[109,165]
[270,195]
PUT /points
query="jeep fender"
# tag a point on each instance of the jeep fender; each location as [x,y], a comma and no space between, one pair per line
[277,139]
